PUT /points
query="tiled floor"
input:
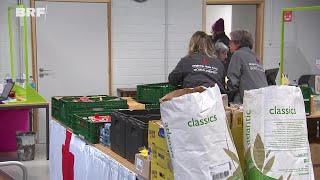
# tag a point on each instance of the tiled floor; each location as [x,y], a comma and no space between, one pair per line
[38,169]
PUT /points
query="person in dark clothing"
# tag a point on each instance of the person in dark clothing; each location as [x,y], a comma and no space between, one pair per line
[218,35]
[244,72]
[200,67]
[221,51]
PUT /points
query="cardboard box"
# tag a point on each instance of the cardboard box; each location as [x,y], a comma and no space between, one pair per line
[237,118]
[225,100]
[134,105]
[158,144]
[156,135]
[237,135]
[161,157]
[228,116]
[315,158]
[315,105]
[142,166]
[160,173]
[236,127]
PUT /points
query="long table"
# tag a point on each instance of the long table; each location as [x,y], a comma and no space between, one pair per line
[75,158]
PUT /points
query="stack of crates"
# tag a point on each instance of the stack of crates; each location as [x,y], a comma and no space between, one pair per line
[161,167]
[63,108]
[129,131]
[150,94]
[86,128]
[306,92]
[56,107]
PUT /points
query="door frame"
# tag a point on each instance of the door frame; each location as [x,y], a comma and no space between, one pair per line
[259,19]
[34,48]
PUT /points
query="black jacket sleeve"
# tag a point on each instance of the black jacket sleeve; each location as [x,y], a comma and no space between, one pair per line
[233,74]
[176,76]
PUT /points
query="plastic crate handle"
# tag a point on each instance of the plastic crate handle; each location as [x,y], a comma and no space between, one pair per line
[97,109]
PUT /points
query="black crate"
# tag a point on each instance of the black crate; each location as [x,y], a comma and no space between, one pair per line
[127,119]
[137,134]
[118,133]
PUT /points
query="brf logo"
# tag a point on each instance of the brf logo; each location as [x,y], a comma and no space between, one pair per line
[30,12]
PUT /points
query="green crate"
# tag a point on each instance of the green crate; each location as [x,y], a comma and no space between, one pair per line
[100,104]
[86,128]
[74,121]
[151,93]
[56,107]
[152,106]
[306,93]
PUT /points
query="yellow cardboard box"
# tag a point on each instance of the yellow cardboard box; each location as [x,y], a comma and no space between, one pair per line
[237,118]
[236,127]
[237,135]
[160,173]
[156,135]
[158,144]
[161,157]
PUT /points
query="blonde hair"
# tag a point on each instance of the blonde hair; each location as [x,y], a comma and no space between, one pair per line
[200,42]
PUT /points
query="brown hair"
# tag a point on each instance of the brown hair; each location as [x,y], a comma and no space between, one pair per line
[200,42]
[242,37]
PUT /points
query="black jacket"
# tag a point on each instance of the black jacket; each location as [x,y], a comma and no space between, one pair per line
[222,38]
[198,70]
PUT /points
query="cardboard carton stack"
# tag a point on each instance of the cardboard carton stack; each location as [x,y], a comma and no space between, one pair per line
[161,168]
[315,149]
[235,120]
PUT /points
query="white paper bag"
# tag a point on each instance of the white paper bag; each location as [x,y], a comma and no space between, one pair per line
[199,142]
[275,134]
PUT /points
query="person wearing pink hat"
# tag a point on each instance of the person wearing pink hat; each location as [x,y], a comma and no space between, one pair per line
[218,33]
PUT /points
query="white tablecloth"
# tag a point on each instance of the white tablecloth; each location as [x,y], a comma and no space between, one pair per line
[89,163]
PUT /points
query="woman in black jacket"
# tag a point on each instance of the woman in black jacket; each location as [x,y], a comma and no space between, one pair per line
[200,67]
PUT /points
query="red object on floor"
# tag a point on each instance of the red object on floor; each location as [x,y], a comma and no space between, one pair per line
[67,158]
[12,121]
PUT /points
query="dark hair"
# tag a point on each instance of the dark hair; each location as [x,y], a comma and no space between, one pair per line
[200,42]
[242,37]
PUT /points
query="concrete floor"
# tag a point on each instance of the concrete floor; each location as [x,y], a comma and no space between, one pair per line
[38,169]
